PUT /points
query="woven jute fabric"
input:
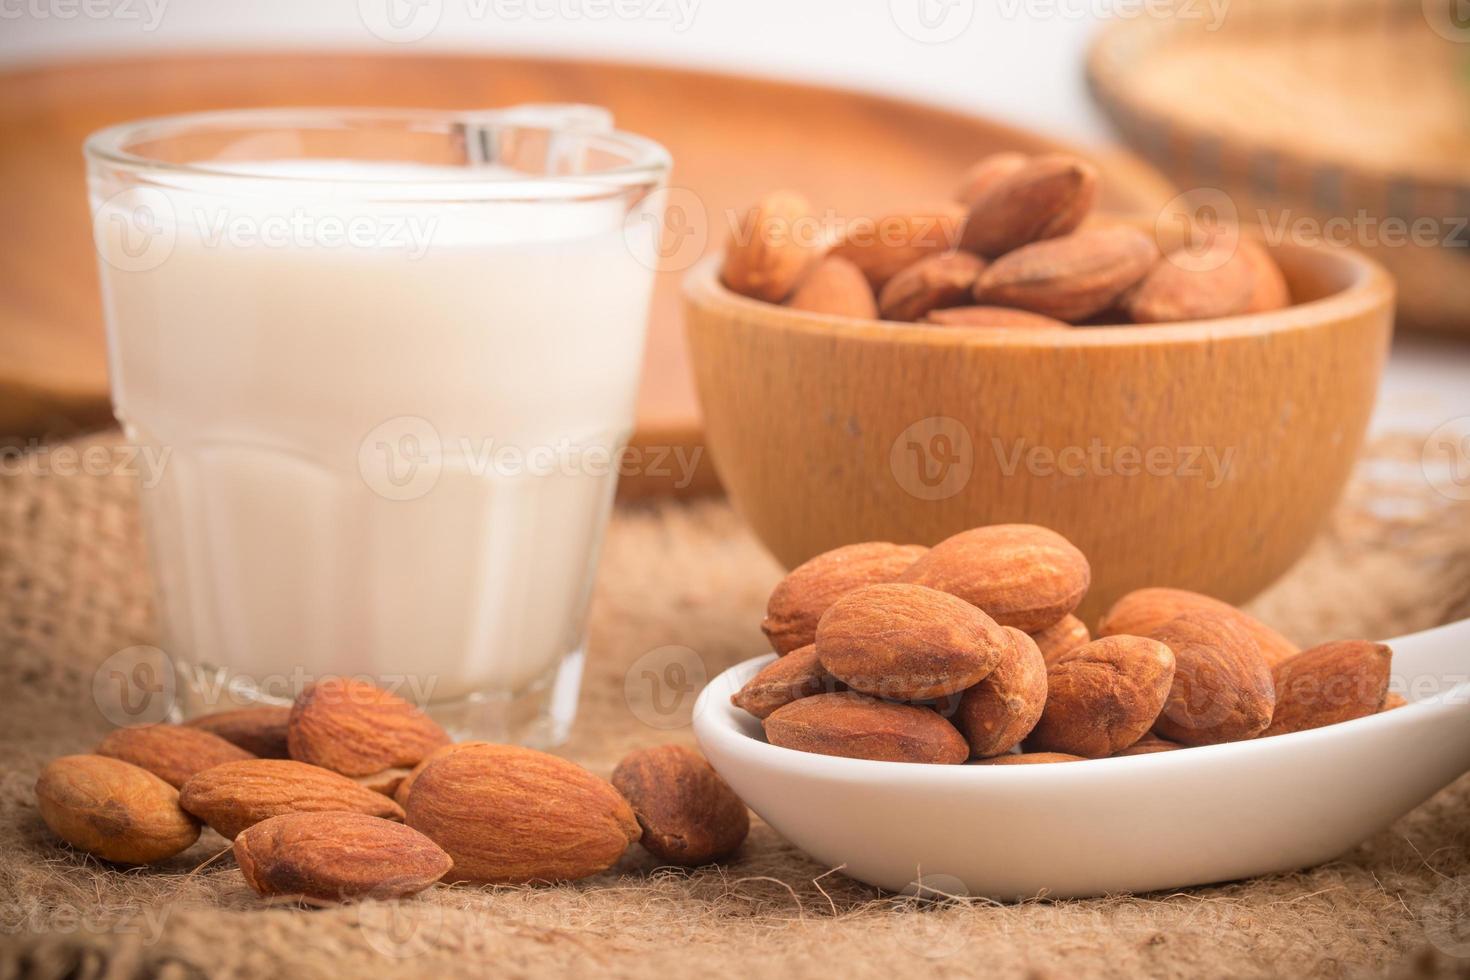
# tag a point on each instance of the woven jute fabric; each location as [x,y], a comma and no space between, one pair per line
[74,589]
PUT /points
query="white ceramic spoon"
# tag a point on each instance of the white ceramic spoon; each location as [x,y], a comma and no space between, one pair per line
[1132,824]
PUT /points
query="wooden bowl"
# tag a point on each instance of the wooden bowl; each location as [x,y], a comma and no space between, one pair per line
[1200,455]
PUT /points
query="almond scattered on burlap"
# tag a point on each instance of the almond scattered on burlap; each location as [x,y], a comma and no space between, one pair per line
[236,795]
[332,856]
[1331,683]
[259,729]
[113,809]
[856,726]
[359,729]
[173,753]
[908,642]
[798,601]
[1022,575]
[509,815]
[689,815]
[1103,697]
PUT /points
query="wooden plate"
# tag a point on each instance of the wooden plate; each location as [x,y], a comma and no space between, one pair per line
[732,139]
[1341,120]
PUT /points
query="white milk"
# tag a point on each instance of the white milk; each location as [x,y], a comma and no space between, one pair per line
[301,356]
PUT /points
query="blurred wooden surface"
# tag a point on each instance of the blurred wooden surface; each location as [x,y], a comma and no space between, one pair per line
[1343,120]
[732,139]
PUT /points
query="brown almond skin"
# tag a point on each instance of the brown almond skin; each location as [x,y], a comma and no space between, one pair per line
[1000,711]
[798,601]
[1070,278]
[509,815]
[992,316]
[770,251]
[689,815]
[1048,196]
[1142,611]
[1268,285]
[856,726]
[930,284]
[908,642]
[359,729]
[385,782]
[401,791]
[1150,744]
[1028,759]
[173,753]
[799,674]
[1331,683]
[330,857]
[1063,636]
[1103,697]
[1022,575]
[884,246]
[1392,701]
[835,287]
[236,795]
[983,174]
[113,810]
[1222,689]
[1186,285]
[259,730]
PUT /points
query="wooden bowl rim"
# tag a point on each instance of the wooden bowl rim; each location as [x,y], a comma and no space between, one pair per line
[1371,288]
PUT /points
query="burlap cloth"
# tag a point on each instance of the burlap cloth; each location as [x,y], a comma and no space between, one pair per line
[73,589]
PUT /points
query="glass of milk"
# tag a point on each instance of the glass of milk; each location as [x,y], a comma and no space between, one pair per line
[388,359]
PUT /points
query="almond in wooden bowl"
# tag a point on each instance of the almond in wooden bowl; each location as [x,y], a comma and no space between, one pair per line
[831,431]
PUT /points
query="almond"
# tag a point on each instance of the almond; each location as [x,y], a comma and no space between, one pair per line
[1143,611]
[1222,689]
[328,857]
[401,791]
[797,603]
[1268,286]
[1103,697]
[113,809]
[689,815]
[996,714]
[509,815]
[884,246]
[1028,759]
[1330,683]
[930,284]
[835,287]
[259,729]
[1148,745]
[992,316]
[908,642]
[1045,197]
[856,726]
[983,174]
[385,782]
[1392,701]
[173,753]
[799,674]
[1067,633]
[236,795]
[1188,285]
[1022,575]
[1069,278]
[775,244]
[359,729]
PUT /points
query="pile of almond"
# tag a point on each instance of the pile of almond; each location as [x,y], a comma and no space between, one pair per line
[1016,248]
[353,791]
[970,650]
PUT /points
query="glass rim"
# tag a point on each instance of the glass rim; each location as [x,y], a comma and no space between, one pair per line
[648,160]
